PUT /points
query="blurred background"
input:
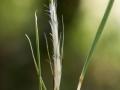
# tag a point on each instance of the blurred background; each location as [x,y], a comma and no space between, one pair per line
[81,20]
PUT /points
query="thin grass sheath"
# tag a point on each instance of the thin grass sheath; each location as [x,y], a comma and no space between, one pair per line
[37,63]
[96,39]
[57,67]
[51,66]
[38,53]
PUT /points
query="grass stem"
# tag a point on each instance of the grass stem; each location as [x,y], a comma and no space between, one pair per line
[37,63]
[96,39]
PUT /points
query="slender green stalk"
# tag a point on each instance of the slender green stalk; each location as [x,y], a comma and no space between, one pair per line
[96,39]
[62,41]
[35,63]
[38,52]
[37,60]
[51,66]
[37,43]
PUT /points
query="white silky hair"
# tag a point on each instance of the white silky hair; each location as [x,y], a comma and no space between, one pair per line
[56,44]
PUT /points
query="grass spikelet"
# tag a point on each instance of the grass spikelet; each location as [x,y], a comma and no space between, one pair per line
[56,44]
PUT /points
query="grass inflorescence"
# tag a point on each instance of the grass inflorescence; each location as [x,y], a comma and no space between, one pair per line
[58,43]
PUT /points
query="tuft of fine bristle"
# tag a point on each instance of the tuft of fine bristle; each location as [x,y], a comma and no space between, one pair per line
[56,44]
